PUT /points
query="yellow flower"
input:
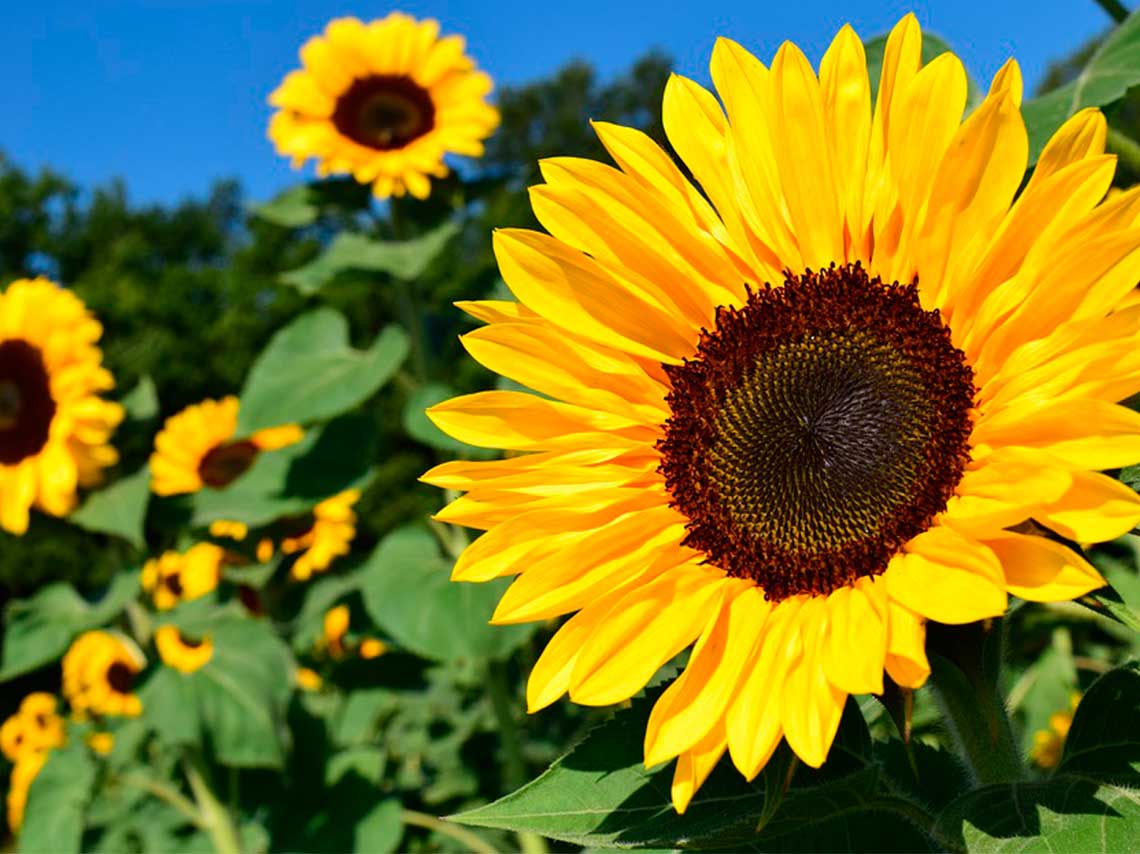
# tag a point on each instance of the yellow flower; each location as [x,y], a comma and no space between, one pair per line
[55,429]
[309,680]
[1049,744]
[23,773]
[796,471]
[101,743]
[175,577]
[385,102]
[321,536]
[182,653]
[99,673]
[196,448]
[335,629]
[35,727]
[372,648]
[231,530]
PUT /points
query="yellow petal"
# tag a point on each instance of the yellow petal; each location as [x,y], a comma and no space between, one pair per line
[810,706]
[694,767]
[856,639]
[948,577]
[847,110]
[1095,508]
[1088,434]
[906,661]
[1041,570]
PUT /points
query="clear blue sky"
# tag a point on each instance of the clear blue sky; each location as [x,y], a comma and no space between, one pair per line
[172,94]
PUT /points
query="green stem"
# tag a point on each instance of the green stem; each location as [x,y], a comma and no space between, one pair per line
[413,321]
[465,837]
[142,627]
[1115,9]
[514,767]
[166,793]
[216,818]
[918,816]
[1125,148]
[965,665]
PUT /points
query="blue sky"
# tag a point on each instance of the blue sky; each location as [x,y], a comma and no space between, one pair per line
[171,95]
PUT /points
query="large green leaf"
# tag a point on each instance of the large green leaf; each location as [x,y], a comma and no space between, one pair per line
[310,372]
[1104,740]
[601,795]
[1111,71]
[141,402]
[235,704]
[406,259]
[119,509]
[53,816]
[408,592]
[301,205]
[328,460]
[39,630]
[932,46]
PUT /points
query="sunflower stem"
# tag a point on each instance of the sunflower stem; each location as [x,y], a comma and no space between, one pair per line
[1125,148]
[965,666]
[472,842]
[159,789]
[1114,9]
[215,817]
[514,767]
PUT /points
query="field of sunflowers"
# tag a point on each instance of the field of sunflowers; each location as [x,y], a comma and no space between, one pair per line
[588,464]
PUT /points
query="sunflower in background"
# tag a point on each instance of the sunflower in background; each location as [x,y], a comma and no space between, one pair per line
[182,653]
[385,102]
[791,418]
[36,726]
[175,577]
[1049,744]
[196,448]
[55,429]
[99,671]
[323,535]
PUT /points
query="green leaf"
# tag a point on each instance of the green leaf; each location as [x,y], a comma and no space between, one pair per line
[329,459]
[1111,71]
[39,630]
[381,829]
[419,426]
[235,704]
[407,590]
[1104,741]
[119,509]
[141,402]
[406,259]
[364,761]
[1065,813]
[932,46]
[309,372]
[53,817]
[601,795]
[293,208]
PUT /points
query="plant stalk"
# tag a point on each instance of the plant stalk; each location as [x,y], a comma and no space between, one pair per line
[1125,148]
[472,841]
[182,804]
[216,819]
[1114,9]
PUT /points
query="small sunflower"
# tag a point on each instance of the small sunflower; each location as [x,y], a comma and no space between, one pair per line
[175,577]
[99,672]
[371,648]
[101,743]
[308,679]
[26,769]
[181,653]
[36,726]
[335,630]
[196,448]
[55,428]
[319,537]
[385,102]
[793,415]
[1049,744]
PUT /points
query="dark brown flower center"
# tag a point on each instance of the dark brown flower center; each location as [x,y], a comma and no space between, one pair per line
[222,465]
[819,428]
[173,583]
[384,111]
[26,405]
[120,677]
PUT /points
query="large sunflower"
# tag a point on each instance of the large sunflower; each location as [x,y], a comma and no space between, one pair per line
[196,448]
[385,102]
[855,384]
[54,427]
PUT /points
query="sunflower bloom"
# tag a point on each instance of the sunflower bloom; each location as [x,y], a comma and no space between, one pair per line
[335,630]
[791,418]
[99,672]
[55,428]
[175,577]
[1049,743]
[318,538]
[196,448]
[181,653]
[384,102]
[36,726]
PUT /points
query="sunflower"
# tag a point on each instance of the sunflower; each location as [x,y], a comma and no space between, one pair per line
[385,102]
[1049,743]
[196,448]
[854,383]
[308,680]
[101,743]
[26,769]
[54,426]
[321,536]
[335,630]
[180,652]
[175,577]
[36,726]
[99,672]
